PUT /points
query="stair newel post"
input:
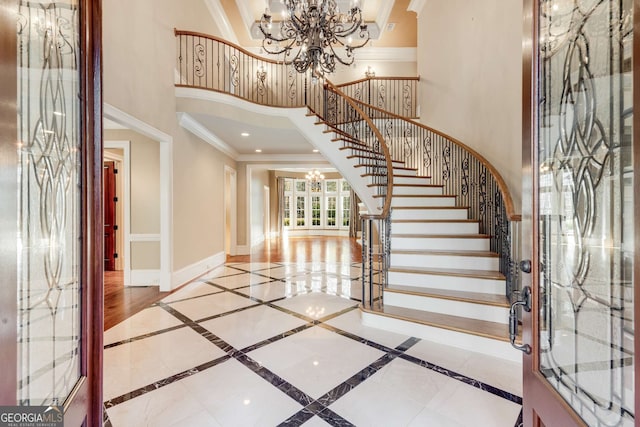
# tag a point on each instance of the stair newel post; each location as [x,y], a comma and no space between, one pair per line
[370,263]
[364,258]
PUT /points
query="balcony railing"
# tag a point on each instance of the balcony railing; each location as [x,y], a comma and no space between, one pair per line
[371,116]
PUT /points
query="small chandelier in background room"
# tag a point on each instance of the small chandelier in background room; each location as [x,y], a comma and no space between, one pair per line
[314,176]
[315,34]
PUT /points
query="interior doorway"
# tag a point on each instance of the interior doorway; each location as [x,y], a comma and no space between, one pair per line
[230,211]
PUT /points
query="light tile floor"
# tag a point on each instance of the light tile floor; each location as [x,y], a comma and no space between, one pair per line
[270,344]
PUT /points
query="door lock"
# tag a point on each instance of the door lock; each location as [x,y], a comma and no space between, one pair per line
[525,302]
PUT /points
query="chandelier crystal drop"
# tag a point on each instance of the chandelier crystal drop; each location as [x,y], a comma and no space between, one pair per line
[314,34]
[314,176]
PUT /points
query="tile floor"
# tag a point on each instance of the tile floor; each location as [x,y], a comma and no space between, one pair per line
[282,344]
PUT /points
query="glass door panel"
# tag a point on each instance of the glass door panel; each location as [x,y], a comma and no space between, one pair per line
[585,209]
[49,194]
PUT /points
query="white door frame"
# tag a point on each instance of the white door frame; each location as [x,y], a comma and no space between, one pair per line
[166,186]
[231,180]
[124,180]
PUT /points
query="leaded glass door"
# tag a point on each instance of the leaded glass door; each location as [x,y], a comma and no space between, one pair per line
[50,226]
[579,211]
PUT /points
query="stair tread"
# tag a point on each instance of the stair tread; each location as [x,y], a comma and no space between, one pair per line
[458,272]
[473,297]
[395,175]
[380,166]
[483,328]
[443,236]
[479,254]
[408,185]
[376,157]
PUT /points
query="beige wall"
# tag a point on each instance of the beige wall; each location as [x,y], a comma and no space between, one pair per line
[469,60]
[139,75]
[382,69]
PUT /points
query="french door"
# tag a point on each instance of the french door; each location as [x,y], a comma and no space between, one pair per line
[51,210]
[580,209]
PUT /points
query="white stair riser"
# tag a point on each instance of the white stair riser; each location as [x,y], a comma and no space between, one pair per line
[423,201]
[469,310]
[488,346]
[444,261]
[430,214]
[434,227]
[410,180]
[404,171]
[453,283]
[431,243]
[411,191]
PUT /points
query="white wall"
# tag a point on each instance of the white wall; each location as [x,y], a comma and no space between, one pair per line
[469,61]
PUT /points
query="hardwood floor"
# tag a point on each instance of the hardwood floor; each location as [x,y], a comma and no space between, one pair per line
[121,303]
[304,249]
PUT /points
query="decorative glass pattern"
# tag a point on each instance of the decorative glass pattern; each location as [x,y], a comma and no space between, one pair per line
[585,206]
[331,186]
[49,201]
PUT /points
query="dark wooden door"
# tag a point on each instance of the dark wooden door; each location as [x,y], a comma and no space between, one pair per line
[580,209]
[110,227]
[51,233]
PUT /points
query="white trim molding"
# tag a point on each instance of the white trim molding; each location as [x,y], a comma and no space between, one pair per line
[192,125]
[416,6]
[306,158]
[197,269]
[222,21]
[166,185]
[144,278]
[125,146]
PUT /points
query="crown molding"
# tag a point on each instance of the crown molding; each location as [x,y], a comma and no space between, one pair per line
[416,6]
[262,158]
[383,15]
[222,21]
[193,126]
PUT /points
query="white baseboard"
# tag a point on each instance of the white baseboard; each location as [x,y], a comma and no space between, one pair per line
[196,269]
[144,278]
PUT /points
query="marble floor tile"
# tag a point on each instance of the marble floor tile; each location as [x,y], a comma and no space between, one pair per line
[500,373]
[315,360]
[351,322]
[168,406]
[148,320]
[316,421]
[192,290]
[200,308]
[269,291]
[239,280]
[219,272]
[252,326]
[255,266]
[130,366]
[236,396]
[316,305]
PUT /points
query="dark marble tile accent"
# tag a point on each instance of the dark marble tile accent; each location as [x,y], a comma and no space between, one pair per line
[315,407]
[237,310]
[164,382]
[141,337]
[408,344]
[296,394]
[356,338]
[106,422]
[276,338]
[214,291]
[334,419]
[339,313]
[520,421]
[463,378]
[297,419]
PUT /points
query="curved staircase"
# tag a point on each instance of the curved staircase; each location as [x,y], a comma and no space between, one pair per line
[443,277]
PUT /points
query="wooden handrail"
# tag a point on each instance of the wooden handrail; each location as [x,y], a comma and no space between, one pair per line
[365,79]
[385,148]
[504,189]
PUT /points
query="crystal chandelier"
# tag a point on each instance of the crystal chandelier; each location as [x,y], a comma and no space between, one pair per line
[314,176]
[313,33]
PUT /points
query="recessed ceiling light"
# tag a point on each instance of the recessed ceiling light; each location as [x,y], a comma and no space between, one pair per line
[258,150]
[245,134]
[316,151]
